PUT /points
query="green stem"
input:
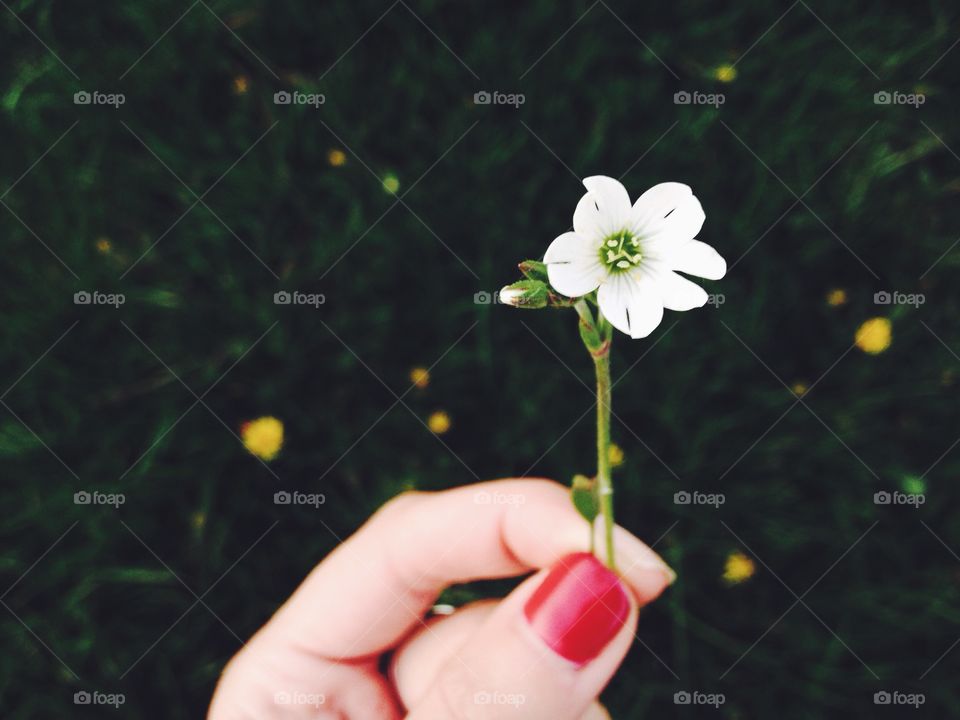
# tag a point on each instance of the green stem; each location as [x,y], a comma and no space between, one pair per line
[601,361]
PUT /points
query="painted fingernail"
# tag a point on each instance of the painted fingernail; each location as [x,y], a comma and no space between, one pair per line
[578,608]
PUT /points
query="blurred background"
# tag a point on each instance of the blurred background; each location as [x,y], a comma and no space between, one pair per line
[149,166]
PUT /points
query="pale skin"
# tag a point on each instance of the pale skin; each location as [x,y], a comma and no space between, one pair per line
[321,655]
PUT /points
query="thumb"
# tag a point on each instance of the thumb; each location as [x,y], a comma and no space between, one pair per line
[547,650]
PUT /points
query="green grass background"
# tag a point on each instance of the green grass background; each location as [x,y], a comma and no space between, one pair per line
[703,409]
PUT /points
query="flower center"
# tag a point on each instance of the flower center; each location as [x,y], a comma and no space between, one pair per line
[621,251]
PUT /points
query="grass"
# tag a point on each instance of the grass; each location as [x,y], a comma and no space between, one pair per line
[212,200]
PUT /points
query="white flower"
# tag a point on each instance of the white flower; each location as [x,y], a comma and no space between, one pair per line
[632,253]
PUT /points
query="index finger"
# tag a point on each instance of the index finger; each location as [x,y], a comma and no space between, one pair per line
[375,587]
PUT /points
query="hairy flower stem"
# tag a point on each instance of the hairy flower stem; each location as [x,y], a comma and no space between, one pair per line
[604,481]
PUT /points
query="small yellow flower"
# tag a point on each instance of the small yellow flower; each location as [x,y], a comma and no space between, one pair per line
[837,297]
[241,84]
[799,389]
[103,246]
[420,377]
[391,183]
[337,158]
[739,568]
[615,455]
[725,73]
[198,520]
[874,336]
[263,437]
[438,422]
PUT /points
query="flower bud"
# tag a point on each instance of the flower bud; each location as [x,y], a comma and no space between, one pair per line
[530,294]
[534,270]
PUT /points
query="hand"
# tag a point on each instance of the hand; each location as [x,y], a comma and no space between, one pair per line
[543,652]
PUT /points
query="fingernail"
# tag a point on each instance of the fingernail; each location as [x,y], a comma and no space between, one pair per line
[578,608]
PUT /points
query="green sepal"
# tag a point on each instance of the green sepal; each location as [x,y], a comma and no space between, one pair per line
[583,492]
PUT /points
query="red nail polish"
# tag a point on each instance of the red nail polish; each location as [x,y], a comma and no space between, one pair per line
[578,608]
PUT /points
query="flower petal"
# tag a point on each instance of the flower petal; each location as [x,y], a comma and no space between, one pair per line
[678,293]
[573,265]
[587,218]
[682,223]
[656,203]
[697,258]
[612,199]
[631,303]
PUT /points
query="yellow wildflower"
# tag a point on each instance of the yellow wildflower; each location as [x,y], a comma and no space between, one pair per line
[438,422]
[263,437]
[837,297]
[391,183]
[739,568]
[874,336]
[420,377]
[615,455]
[725,73]
[337,158]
